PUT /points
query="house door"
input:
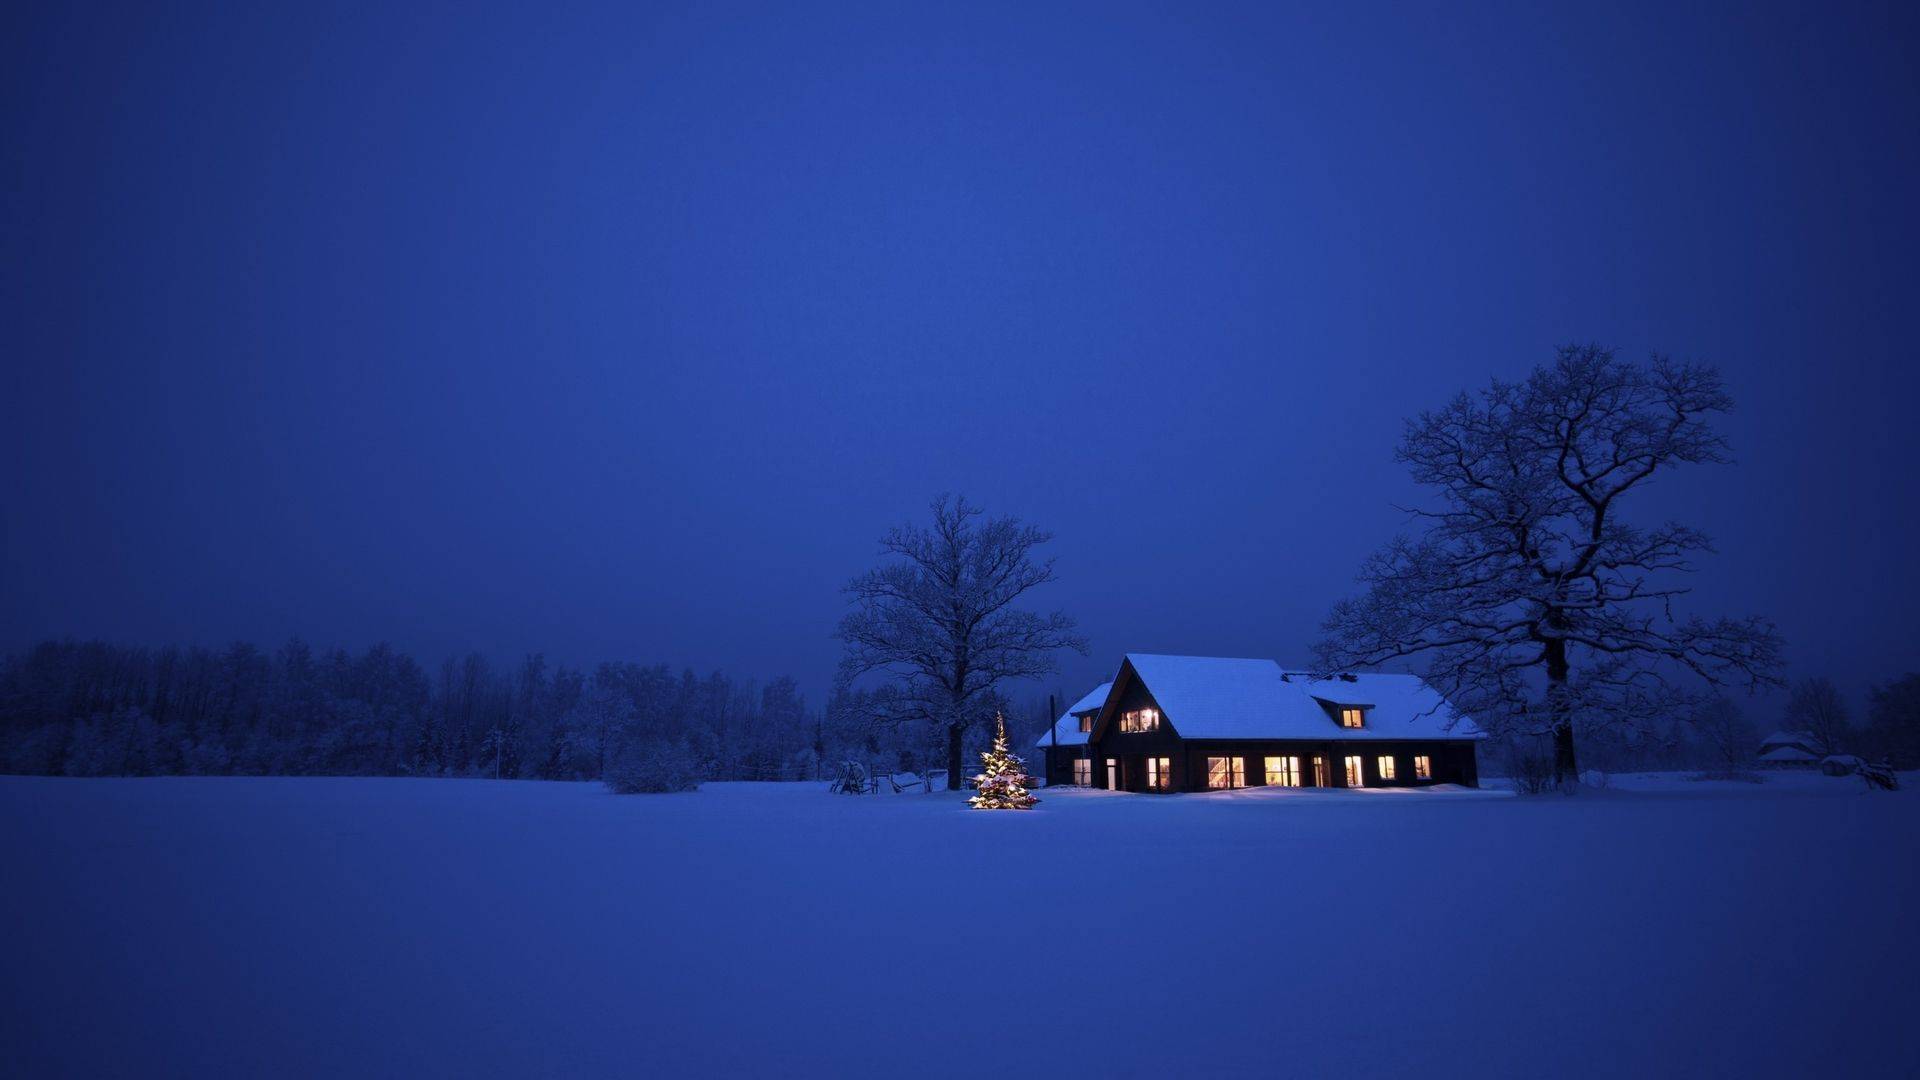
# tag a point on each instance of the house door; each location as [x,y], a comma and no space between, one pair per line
[1113,774]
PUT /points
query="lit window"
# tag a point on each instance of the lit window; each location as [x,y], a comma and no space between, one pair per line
[1352,716]
[1140,720]
[1355,777]
[1386,767]
[1083,773]
[1422,767]
[1283,771]
[1319,771]
[1086,722]
[1225,772]
[1159,774]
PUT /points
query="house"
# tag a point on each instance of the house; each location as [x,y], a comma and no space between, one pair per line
[1194,723]
[1789,750]
[1064,746]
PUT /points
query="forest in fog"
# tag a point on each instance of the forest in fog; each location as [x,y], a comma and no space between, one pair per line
[98,709]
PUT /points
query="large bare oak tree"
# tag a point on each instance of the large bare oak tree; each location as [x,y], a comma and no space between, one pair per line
[1816,707]
[939,619]
[1534,604]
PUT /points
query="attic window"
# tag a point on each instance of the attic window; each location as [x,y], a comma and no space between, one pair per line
[1140,720]
[1352,716]
[1086,721]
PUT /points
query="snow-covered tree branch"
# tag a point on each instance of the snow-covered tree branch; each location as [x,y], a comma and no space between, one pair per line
[938,620]
[1531,602]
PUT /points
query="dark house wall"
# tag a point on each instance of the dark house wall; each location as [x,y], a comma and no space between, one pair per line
[1058,762]
[1452,760]
[1462,763]
[1133,748]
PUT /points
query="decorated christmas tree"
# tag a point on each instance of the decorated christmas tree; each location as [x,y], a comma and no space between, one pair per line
[1003,786]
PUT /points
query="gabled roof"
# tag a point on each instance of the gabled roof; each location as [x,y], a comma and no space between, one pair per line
[1787,753]
[1067,728]
[1212,697]
[1790,738]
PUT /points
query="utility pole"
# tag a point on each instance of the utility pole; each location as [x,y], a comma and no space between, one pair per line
[1053,735]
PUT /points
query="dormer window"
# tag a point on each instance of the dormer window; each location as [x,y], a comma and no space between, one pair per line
[1352,716]
[1140,720]
[1086,721]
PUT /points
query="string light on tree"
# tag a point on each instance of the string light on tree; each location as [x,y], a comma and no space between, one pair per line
[1003,786]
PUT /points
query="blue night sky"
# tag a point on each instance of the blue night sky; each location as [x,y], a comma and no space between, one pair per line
[615,332]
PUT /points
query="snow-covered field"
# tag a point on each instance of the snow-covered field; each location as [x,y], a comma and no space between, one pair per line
[298,927]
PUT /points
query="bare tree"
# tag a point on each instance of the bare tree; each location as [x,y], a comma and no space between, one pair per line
[1816,707]
[1893,722]
[593,724]
[1536,608]
[1728,733]
[939,619]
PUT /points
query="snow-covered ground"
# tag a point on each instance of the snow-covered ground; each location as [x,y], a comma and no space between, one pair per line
[296,927]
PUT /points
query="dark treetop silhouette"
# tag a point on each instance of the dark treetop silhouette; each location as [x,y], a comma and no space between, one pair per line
[1535,605]
[99,709]
[939,620]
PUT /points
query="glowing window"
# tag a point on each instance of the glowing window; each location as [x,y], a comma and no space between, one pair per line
[1140,720]
[1319,771]
[1422,767]
[1083,773]
[1086,722]
[1386,767]
[1283,771]
[1226,772]
[1159,774]
[1355,776]
[1352,716]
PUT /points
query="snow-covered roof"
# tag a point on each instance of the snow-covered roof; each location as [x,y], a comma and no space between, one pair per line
[1067,728]
[1849,760]
[1788,738]
[1787,753]
[1211,697]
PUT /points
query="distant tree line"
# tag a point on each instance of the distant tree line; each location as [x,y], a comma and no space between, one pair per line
[1721,735]
[99,709]
[1890,732]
